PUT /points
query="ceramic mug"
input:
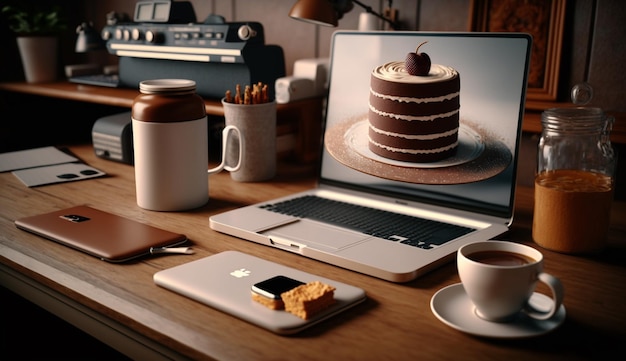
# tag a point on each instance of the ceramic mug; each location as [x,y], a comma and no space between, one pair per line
[171,163]
[500,277]
[257,126]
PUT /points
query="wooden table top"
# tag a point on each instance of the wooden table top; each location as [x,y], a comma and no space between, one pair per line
[394,323]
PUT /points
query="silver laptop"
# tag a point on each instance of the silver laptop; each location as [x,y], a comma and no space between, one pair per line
[471,192]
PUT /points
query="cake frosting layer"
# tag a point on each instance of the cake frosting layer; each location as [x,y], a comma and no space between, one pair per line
[393,80]
[414,110]
[414,145]
[433,124]
[413,155]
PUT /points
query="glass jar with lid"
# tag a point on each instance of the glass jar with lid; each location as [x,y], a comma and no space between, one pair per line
[574,182]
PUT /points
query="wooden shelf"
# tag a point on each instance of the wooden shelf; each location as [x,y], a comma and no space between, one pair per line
[298,123]
[119,97]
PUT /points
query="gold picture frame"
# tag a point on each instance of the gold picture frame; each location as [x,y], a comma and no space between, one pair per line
[544,20]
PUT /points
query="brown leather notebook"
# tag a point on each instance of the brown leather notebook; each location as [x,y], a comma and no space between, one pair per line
[107,236]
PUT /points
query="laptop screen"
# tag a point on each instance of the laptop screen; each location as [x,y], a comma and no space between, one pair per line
[480,174]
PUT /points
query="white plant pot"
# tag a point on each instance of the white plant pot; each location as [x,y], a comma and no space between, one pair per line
[39,58]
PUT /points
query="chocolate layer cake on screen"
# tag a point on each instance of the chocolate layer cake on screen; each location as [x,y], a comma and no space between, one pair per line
[414,118]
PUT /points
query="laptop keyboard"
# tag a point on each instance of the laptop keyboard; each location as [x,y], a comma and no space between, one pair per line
[414,231]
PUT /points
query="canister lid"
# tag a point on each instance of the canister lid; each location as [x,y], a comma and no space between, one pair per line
[573,113]
[576,120]
[581,94]
[176,86]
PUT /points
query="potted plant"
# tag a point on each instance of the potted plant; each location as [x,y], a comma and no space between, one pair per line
[37,30]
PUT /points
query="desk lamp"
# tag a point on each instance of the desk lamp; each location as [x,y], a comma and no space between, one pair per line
[89,40]
[328,12]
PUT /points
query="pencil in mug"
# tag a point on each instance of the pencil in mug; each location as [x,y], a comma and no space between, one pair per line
[255,94]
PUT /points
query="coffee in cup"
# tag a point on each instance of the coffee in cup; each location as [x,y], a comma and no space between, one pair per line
[500,277]
[500,258]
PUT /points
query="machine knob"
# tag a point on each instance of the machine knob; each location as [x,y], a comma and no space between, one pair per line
[154,37]
[118,34]
[245,32]
[106,34]
[126,35]
[136,34]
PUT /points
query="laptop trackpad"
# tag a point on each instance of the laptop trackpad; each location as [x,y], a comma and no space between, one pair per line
[317,235]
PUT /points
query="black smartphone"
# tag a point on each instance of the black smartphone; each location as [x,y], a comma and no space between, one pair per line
[275,286]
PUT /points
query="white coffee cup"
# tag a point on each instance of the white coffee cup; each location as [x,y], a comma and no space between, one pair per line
[500,277]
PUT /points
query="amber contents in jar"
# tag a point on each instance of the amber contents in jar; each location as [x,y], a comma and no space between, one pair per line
[573,207]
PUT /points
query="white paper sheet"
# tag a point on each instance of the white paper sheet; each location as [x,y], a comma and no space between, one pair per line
[37,157]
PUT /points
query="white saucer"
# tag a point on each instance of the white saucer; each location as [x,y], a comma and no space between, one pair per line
[452,306]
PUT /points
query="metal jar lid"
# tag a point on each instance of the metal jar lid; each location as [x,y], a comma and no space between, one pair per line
[170,86]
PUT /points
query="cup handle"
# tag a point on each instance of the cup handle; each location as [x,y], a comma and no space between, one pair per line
[225,139]
[556,287]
